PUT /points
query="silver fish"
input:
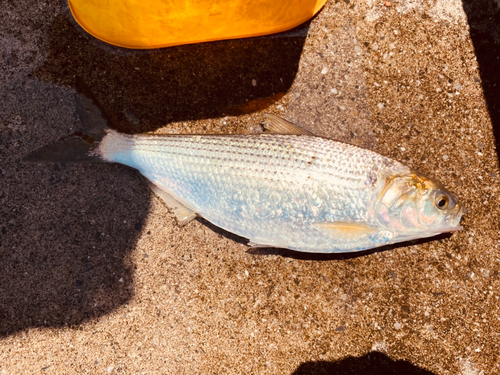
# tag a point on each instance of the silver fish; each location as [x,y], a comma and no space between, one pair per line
[291,190]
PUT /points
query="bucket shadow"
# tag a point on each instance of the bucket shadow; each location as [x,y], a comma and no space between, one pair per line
[144,90]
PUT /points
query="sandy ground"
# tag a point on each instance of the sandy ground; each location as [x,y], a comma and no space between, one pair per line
[96,276]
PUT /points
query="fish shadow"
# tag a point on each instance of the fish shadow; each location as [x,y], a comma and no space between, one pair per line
[373,363]
[67,231]
[262,251]
[483,17]
[300,255]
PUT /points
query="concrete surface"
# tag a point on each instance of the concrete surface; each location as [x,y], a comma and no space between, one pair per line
[97,277]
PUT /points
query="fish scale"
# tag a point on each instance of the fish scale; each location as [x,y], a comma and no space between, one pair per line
[269,188]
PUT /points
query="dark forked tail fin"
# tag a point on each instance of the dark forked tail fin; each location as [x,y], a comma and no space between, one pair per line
[77,147]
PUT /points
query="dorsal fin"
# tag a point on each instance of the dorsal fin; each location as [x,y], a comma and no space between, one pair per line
[278,125]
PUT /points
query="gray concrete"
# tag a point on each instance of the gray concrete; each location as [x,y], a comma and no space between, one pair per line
[96,276]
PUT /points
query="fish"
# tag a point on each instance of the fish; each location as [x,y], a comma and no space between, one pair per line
[286,188]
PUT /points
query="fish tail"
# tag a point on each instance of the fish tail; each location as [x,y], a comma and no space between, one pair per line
[75,148]
[81,146]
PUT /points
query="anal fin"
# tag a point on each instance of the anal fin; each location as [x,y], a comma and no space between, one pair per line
[278,125]
[346,230]
[254,245]
[270,243]
[183,214]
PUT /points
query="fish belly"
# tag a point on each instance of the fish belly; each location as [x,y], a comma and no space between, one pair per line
[268,188]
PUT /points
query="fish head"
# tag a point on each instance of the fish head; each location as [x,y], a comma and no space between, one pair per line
[413,206]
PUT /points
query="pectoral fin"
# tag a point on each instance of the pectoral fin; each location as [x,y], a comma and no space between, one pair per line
[278,125]
[346,230]
[183,214]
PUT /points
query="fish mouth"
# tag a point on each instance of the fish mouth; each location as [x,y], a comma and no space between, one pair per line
[453,220]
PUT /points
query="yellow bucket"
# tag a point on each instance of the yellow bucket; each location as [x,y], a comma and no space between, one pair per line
[163,23]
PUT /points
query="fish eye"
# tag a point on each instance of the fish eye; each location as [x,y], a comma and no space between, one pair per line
[442,201]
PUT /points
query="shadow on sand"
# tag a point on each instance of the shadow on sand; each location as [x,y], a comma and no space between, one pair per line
[144,90]
[484,23]
[374,363]
[69,229]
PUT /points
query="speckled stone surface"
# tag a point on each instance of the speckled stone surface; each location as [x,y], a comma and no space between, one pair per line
[96,276]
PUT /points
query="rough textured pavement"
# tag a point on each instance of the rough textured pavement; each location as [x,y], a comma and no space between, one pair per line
[96,276]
